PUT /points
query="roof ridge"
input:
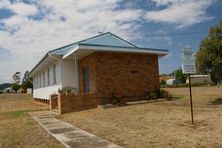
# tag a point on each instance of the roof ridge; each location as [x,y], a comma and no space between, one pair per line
[94,36]
[79,42]
[122,39]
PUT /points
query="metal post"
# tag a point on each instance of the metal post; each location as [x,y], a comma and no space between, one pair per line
[76,73]
[191,101]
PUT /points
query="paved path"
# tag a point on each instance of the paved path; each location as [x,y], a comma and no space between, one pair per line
[67,134]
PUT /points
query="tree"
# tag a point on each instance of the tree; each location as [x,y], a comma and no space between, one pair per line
[17,77]
[180,76]
[209,56]
[26,83]
[15,86]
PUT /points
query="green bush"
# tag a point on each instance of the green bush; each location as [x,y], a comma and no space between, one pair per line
[157,94]
[162,82]
[67,90]
[118,99]
[15,86]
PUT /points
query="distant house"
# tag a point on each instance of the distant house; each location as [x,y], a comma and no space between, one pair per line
[8,90]
[100,65]
[164,78]
[172,81]
[199,79]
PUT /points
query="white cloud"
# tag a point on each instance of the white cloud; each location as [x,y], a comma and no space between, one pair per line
[182,13]
[63,22]
[23,9]
[19,8]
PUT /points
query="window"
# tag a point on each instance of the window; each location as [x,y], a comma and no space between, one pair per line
[37,81]
[85,80]
[54,74]
[43,78]
[48,77]
[34,83]
[40,81]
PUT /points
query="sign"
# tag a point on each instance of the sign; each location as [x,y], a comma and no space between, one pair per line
[188,61]
[188,67]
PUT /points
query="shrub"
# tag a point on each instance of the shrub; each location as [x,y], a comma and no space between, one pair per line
[61,91]
[118,99]
[153,96]
[67,90]
[166,95]
[157,94]
[162,82]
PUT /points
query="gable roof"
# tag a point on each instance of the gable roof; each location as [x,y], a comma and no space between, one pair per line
[103,42]
[106,39]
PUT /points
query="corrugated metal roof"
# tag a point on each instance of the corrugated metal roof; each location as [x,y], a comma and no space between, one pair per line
[105,40]
[108,39]
[63,50]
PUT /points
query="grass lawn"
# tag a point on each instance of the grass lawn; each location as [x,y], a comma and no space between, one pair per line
[18,129]
[159,124]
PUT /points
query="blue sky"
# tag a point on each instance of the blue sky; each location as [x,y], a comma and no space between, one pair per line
[29,28]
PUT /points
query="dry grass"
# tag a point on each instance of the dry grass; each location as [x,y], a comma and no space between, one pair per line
[160,124]
[13,102]
[18,129]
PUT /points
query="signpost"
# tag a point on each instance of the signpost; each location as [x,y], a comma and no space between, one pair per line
[188,67]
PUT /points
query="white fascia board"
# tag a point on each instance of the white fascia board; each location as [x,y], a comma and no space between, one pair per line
[119,49]
[70,52]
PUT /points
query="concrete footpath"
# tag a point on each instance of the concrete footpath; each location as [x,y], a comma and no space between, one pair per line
[67,134]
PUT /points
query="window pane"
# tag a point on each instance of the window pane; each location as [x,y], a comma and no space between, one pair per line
[43,79]
[85,80]
[54,74]
[48,77]
[40,80]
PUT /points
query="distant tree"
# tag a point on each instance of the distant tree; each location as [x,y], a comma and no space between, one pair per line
[162,82]
[209,56]
[15,86]
[180,76]
[163,74]
[17,77]
[26,83]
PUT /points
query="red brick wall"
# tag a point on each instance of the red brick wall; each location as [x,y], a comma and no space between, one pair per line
[74,103]
[53,102]
[41,101]
[127,74]
[88,61]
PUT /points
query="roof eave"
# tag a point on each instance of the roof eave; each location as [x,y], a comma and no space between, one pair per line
[47,55]
[31,72]
[158,52]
